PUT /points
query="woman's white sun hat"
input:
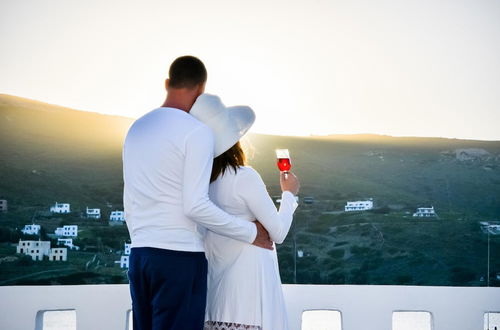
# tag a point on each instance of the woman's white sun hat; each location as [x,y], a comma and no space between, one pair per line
[228,124]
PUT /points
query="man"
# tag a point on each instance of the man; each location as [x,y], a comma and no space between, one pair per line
[167,162]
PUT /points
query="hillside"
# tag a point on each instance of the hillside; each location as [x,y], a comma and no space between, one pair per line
[51,153]
[63,154]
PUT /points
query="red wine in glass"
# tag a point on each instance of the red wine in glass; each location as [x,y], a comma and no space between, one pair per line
[283,163]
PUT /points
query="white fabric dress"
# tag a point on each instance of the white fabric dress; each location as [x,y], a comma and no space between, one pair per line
[244,285]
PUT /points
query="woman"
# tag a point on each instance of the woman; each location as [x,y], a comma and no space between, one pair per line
[244,285]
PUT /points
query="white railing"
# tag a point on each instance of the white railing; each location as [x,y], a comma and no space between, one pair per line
[361,306]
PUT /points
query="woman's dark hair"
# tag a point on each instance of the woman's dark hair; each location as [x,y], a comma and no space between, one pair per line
[234,157]
[187,72]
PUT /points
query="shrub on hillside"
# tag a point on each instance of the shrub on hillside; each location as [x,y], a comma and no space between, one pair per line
[9,235]
[404,280]
[336,253]
[461,276]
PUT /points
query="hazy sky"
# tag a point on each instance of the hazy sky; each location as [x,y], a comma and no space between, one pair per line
[412,68]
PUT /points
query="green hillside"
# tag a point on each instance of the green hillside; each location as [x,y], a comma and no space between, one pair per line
[50,153]
[407,172]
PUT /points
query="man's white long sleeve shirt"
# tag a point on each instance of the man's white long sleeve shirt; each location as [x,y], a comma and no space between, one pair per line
[167,162]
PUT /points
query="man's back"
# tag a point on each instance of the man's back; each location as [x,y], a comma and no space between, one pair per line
[154,166]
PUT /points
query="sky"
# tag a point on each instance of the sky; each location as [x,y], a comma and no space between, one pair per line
[394,67]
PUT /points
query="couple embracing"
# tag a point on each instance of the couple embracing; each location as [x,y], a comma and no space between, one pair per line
[201,222]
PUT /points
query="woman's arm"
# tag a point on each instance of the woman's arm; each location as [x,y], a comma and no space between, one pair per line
[252,190]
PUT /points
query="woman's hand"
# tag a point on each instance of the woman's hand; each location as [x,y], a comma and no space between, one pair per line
[289,182]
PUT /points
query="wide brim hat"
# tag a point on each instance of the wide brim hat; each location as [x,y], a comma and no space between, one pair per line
[228,124]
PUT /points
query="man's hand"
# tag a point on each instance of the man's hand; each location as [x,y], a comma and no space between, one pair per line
[262,239]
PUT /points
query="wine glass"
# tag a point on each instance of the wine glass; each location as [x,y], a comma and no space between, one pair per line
[284,164]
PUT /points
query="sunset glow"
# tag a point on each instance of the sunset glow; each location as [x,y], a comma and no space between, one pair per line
[411,68]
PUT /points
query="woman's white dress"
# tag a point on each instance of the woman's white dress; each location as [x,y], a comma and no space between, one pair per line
[244,285]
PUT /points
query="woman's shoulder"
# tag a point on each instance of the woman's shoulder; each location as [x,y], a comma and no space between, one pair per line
[247,170]
[248,173]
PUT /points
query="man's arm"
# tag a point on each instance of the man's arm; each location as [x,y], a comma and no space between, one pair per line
[197,205]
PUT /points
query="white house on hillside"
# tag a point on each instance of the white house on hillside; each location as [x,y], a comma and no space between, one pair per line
[124,260]
[67,242]
[60,208]
[359,206]
[35,249]
[424,212]
[71,231]
[117,216]
[31,229]
[93,213]
[58,254]
[128,246]
[3,205]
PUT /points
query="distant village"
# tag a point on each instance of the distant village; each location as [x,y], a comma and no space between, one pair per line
[40,250]
[366,205]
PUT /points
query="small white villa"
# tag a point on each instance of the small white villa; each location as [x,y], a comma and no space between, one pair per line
[31,229]
[60,208]
[489,228]
[68,242]
[117,216]
[93,213]
[58,254]
[35,249]
[71,231]
[3,205]
[425,212]
[124,260]
[128,246]
[359,206]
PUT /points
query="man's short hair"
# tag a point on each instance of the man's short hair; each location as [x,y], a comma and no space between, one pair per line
[187,72]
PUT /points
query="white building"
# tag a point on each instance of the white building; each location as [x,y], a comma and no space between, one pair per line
[93,213]
[424,212]
[494,229]
[36,249]
[60,208]
[359,206]
[117,216]
[488,228]
[67,242]
[71,231]
[124,260]
[31,229]
[58,254]
[127,249]
[3,205]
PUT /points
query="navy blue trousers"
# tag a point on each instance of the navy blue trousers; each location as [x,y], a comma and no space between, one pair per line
[168,289]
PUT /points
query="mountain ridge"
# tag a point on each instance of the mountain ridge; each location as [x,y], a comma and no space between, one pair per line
[45,106]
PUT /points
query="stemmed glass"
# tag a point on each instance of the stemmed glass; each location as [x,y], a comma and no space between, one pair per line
[284,164]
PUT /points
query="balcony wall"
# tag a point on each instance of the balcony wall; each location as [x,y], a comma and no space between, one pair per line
[361,307]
